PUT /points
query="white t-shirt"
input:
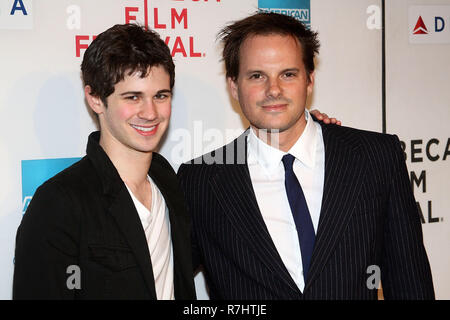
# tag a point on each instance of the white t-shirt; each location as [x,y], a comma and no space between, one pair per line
[156,225]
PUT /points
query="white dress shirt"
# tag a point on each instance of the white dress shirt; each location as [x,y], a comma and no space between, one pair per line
[267,176]
[156,225]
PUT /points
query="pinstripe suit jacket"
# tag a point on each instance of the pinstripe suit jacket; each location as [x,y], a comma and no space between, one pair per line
[368,217]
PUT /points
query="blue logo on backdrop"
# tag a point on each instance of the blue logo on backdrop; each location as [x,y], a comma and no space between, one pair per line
[36,172]
[18,6]
[299,9]
[16,14]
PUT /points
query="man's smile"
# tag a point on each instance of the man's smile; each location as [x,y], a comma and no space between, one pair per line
[145,130]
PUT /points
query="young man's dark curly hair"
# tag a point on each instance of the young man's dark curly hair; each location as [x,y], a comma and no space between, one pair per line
[123,50]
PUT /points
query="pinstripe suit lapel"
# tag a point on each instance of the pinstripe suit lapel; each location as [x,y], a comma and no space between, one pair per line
[234,192]
[344,174]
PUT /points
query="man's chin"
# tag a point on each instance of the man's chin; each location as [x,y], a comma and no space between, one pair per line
[145,148]
[269,130]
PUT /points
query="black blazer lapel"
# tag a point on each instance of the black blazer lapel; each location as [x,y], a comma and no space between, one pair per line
[124,211]
[344,174]
[120,205]
[234,191]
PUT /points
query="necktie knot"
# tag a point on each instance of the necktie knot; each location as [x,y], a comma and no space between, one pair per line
[288,161]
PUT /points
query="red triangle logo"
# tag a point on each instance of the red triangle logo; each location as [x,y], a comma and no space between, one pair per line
[420,27]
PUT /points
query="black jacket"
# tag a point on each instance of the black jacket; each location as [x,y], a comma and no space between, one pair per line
[84,217]
[368,218]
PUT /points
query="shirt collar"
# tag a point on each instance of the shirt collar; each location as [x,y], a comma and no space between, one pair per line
[305,147]
[269,157]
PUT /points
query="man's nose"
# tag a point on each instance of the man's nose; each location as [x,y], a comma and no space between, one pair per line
[274,89]
[148,110]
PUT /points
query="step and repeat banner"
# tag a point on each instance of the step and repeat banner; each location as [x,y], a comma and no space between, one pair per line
[46,120]
[418,111]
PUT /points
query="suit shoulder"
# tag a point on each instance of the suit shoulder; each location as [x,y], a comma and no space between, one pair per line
[382,151]
[55,201]
[232,153]
[77,177]
[366,138]
[197,168]
[63,196]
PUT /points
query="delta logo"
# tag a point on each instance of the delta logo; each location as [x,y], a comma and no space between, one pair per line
[429,24]
[36,172]
[421,28]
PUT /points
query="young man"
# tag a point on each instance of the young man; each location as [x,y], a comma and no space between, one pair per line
[295,209]
[113,225]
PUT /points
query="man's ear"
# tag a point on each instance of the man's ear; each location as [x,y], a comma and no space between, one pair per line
[311,83]
[232,85]
[94,102]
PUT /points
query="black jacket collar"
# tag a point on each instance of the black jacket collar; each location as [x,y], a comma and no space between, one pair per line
[109,177]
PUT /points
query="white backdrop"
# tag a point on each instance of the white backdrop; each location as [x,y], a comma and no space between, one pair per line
[45,116]
[418,111]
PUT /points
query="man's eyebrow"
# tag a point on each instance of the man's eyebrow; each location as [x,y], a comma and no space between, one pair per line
[291,69]
[136,93]
[164,91]
[262,72]
[253,71]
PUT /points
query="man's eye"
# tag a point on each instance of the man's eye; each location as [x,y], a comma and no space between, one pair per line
[132,98]
[256,76]
[161,96]
[290,74]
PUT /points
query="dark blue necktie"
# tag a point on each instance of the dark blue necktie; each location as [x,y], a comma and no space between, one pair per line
[299,208]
